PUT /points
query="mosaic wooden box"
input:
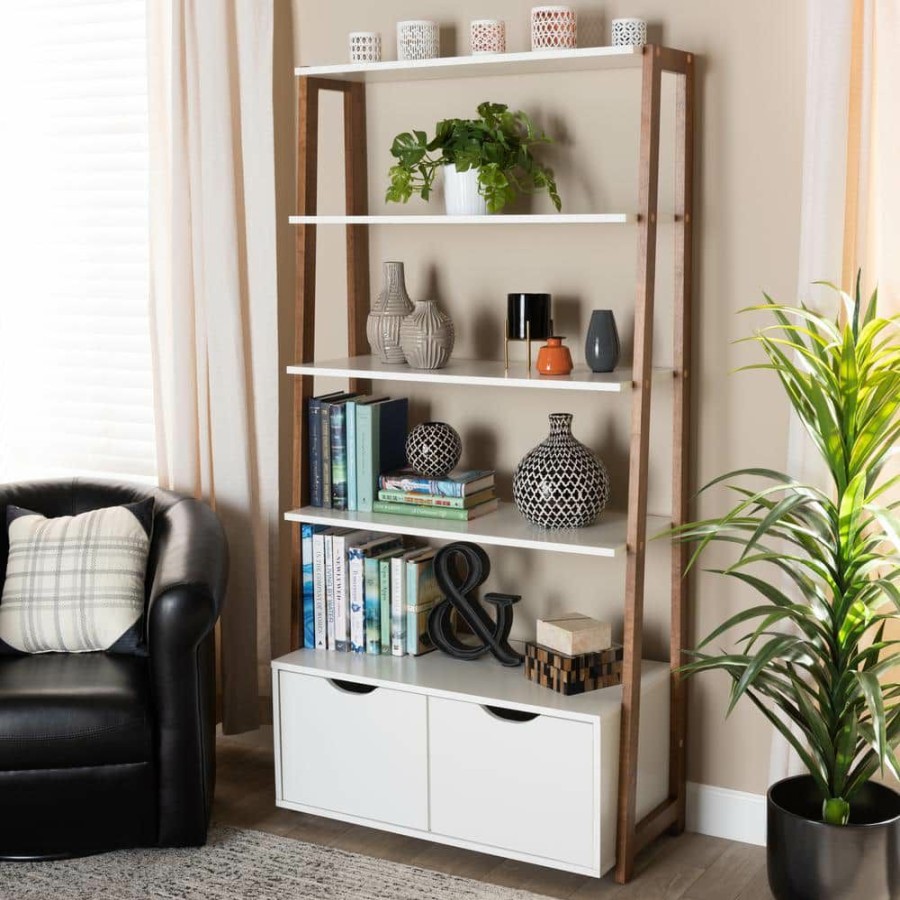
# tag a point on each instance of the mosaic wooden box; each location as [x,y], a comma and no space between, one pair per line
[573,674]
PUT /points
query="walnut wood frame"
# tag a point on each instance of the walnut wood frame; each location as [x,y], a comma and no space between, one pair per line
[632,835]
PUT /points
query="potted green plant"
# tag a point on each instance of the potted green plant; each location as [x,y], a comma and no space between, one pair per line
[817,653]
[486,162]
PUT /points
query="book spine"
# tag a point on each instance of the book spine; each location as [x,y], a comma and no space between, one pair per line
[384,598]
[315,453]
[412,485]
[421,499]
[325,451]
[350,430]
[341,596]
[357,601]
[373,606]
[329,590]
[307,607]
[366,455]
[428,512]
[319,602]
[338,457]
[412,595]
[398,606]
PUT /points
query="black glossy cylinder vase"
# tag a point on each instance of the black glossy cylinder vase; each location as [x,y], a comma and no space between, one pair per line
[810,860]
[601,349]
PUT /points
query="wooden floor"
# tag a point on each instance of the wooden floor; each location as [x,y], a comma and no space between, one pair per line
[690,867]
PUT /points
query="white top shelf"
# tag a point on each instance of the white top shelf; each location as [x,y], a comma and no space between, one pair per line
[498,219]
[484,373]
[504,528]
[482,680]
[482,66]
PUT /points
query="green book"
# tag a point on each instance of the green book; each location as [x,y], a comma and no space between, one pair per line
[422,593]
[435,512]
[411,497]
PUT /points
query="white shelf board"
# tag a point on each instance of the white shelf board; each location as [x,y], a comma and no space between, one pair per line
[484,373]
[498,219]
[481,681]
[504,528]
[526,63]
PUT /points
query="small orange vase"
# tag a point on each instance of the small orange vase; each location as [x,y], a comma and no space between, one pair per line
[553,358]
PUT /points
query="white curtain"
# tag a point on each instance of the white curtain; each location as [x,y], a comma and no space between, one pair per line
[850,214]
[213,291]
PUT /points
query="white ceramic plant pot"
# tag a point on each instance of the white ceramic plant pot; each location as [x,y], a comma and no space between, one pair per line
[461,194]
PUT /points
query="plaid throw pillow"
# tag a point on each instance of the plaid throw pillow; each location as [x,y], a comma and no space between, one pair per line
[75,584]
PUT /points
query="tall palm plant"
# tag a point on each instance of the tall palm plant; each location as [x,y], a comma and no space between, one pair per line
[819,668]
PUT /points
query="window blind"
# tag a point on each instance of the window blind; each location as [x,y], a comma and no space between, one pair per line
[75,367]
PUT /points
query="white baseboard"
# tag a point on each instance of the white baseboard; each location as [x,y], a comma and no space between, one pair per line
[721,812]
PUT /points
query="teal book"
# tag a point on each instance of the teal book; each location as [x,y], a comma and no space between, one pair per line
[338,414]
[384,566]
[422,593]
[381,429]
[373,605]
[307,580]
[456,484]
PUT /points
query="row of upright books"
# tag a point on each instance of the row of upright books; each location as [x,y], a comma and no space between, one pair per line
[364,592]
[353,438]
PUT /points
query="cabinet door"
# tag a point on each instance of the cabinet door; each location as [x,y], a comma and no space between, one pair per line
[354,749]
[522,785]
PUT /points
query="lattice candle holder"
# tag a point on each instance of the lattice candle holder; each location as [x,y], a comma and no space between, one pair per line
[365,46]
[418,39]
[629,32]
[488,36]
[553,28]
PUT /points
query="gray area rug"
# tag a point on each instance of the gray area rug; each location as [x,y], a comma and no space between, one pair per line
[237,864]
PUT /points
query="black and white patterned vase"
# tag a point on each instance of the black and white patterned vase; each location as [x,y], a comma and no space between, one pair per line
[560,483]
[433,449]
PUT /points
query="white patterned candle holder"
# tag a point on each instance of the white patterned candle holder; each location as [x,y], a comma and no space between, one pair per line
[553,28]
[365,46]
[629,32]
[488,36]
[418,39]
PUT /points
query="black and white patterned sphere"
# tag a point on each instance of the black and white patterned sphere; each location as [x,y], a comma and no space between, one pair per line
[433,449]
[560,483]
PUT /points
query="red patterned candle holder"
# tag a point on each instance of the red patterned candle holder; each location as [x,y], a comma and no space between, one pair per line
[553,28]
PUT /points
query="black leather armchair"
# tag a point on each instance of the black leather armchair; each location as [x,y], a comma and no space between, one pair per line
[99,751]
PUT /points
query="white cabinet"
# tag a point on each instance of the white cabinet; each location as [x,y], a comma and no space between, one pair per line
[366,755]
[464,753]
[514,782]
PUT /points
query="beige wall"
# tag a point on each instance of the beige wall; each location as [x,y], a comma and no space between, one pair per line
[750,93]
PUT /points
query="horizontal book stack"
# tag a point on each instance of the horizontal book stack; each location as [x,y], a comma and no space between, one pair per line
[365,592]
[459,496]
[352,439]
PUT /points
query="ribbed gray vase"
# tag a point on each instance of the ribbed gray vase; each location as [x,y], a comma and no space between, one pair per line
[427,336]
[390,308]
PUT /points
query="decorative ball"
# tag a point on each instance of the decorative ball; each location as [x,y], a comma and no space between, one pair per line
[560,483]
[433,449]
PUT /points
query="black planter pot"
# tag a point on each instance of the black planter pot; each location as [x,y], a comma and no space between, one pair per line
[809,860]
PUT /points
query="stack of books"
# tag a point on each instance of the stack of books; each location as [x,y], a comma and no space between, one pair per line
[461,495]
[352,439]
[364,592]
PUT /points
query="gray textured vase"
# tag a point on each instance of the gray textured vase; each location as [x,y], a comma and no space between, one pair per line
[601,348]
[560,483]
[388,312]
[427,336]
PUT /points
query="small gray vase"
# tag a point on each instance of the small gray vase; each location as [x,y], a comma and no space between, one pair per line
[427,336]
[389,310]
[601,349]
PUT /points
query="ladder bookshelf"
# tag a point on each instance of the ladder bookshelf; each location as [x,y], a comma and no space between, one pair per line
[614,534]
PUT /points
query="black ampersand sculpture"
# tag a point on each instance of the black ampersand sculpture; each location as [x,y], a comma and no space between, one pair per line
[493,635]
